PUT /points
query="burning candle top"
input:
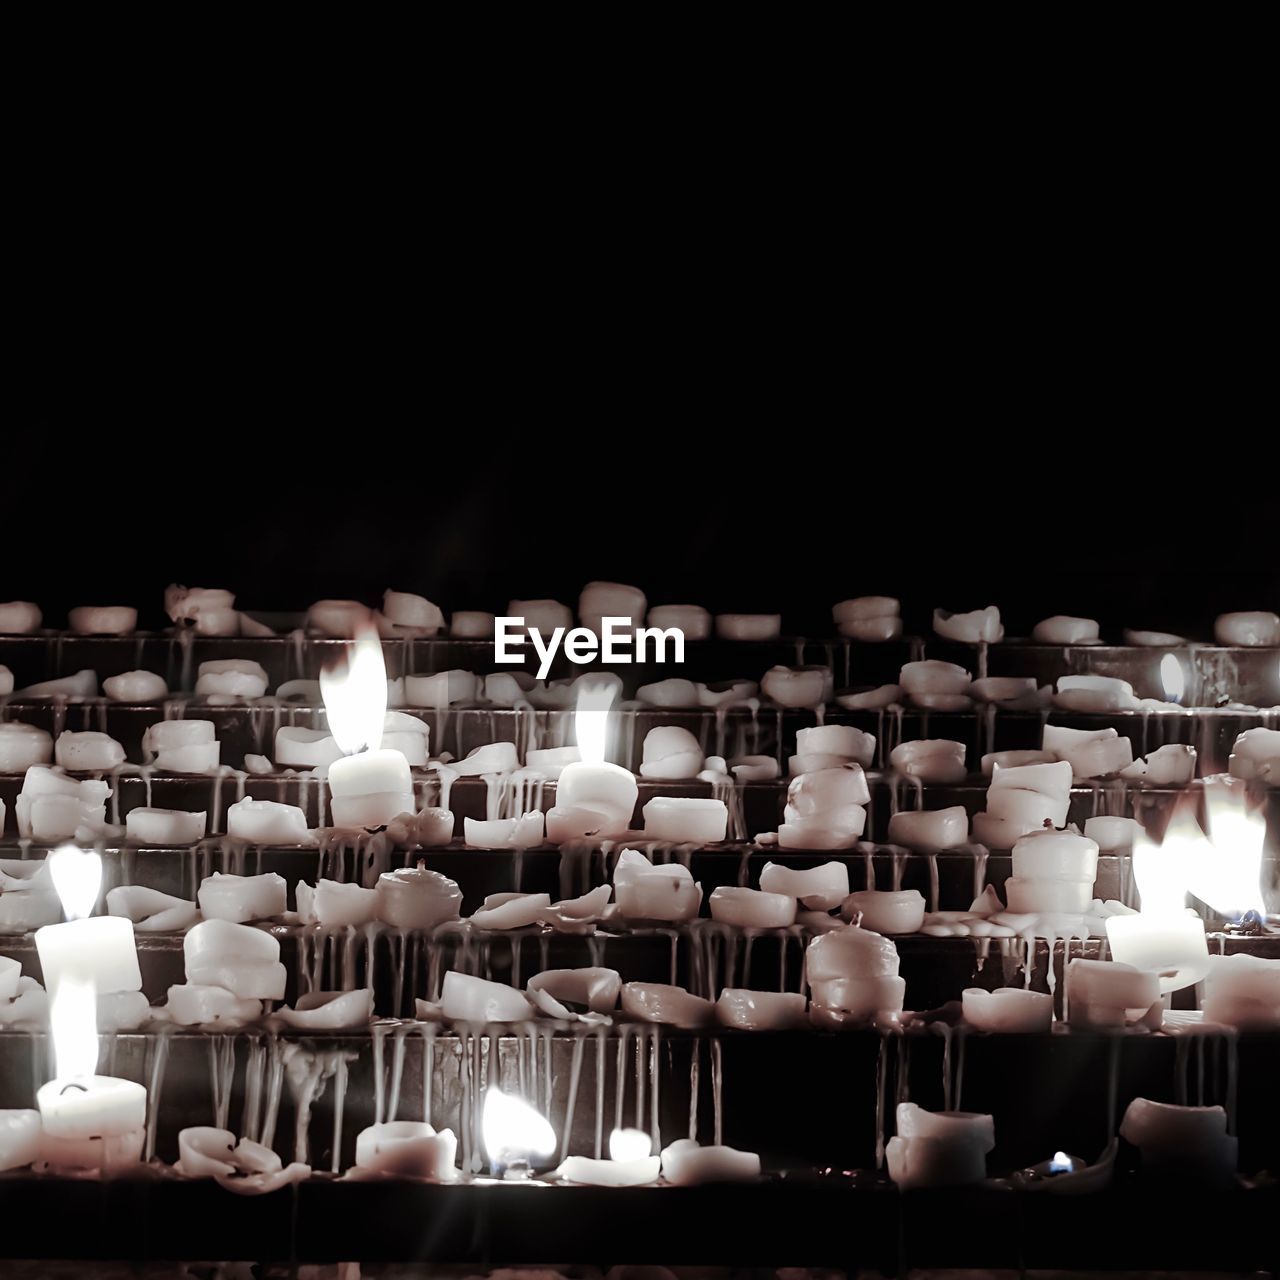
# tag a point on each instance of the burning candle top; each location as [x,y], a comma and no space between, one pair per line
[370,787]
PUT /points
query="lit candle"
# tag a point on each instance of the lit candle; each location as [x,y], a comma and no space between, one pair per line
[592,796]
[515,1135]
[630,1163]
[369,787]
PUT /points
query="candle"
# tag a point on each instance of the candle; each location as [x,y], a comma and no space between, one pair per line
[410,613]
[671,1005]
[194,1004]
[883,911]
[267,822]
[752,908]
[467,999]
[748,626]
[515,1135]
[692,619]
[369,787]
[871,619]
[1007,1010]
[670,753]
[1252,630]
[1095,694]
[1092,753]
[876,699]
[1256,755]
[1182,1144]
[824,809]
[87,753]
[798,686]
[600,600]
[981,626]
[828,746]
[1061,629]
[818,888]
[1030,796]
[1018,693]
[336,904]
[853,977]
[542,616]
[511,910]
[442,688]
[471,624]
[242,898]
[150,910]
[761,1010]
[593,797]
[19,618]
[753,768]
[408,1149]
[182,746]
[1173,765]
[415,898]
[27,896]
[647,892]
[209,611]
[728,693]
[669,693]
[943,686]
[20,1136]
[84,684]
[1243,991]
[630,1163]
[551,762]
[429,828]
[507,688]
[493,757]
[52,806]
[236,957]
[103,620]
[1013,760]
[231,678]
[931,760]
[1110,993]
[135,686]
[596,988]
[930,831]
[1053,873]
[686,1164]
[524,832]
[330,1011]
[686,819]
[300,748]
[939,1148]
[1112,835]
[164,826]
[22,745]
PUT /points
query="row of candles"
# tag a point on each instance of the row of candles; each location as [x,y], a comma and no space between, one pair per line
[213,612]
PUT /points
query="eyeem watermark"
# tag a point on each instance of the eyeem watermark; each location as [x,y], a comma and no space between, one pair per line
[617,642]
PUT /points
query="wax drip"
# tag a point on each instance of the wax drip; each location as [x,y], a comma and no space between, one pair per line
[695,1063]
[717,1088]
[575,1078]
[222,1070]
[155,1089]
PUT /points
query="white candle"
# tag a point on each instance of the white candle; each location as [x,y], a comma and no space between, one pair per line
[99,950]
[748,626]
[1102,993]
[1015,692]
[415,613]
[551,762]
[761,1010]
[135,686]
[471,624]
[593,986]
[1184,1144]
[1111,834]
[981,626]
[884,695]
[661,1002]
[752,908]
[23,745]
[87,752]
[669,693]
[1008,1010]
[1173,945]
[871,619]
[300,748]
[53,806]
[210,610]
[853,976]
[242,898]
[841,740]
[267,822]
[727,694]
[408,1149]
[1094,694]
[103,620]
[885,911]
[600,600]
[1013,760]
[1061,629]
[932,760]
[237,957]
[818,888]
[336,904]
[824,809]
[330,1011]
[164,826]
[692,619]
[20,1134]
[523,832]
[543,616]
[930,830]
[939,1149]
[686,1164]
[1173,765]
[670,752]
[92,1122]
[1252,630]
[1092,753]
[511,910]
[1256,754]
[686,819]
[10,974]
[467,999]
[934,679]
[150,910]
[231,678]
[415,898]
[630,1163]
[1243,991]
[647,892]
[797,687]
[19,618]
[193,1004]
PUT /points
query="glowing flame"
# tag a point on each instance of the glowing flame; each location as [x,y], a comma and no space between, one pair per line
[630,1144]
[73,1025]
[355,695]
[77,877]
[513,1131]
[1061,1163]
[1161,871]
[1226,871]
[1173,677]
[596,694]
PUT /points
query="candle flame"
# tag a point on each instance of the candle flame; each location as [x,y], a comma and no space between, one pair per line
[1061,1163]
[77,877]
[1173,677]
[73,1027]
[514,1131]
[355,694]
[596,694]
[630,1144]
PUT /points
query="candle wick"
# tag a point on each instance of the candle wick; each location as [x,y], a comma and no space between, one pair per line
[73,1085]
